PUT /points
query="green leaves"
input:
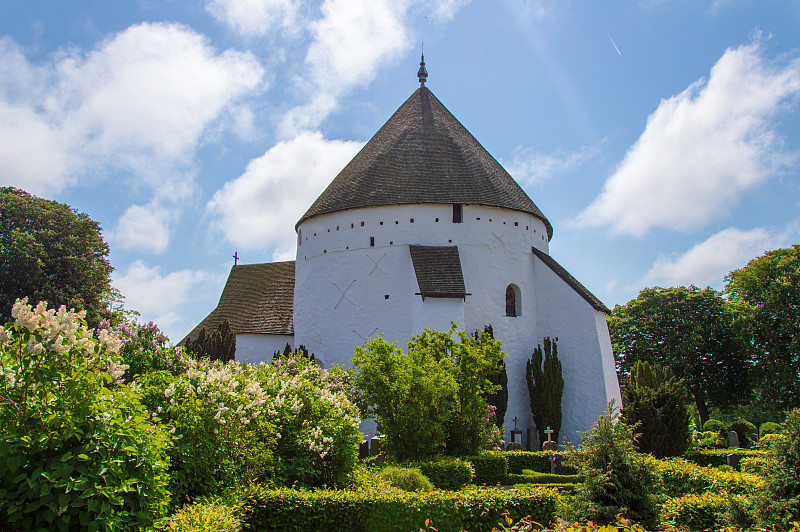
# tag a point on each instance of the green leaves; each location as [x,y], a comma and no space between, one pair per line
[545,388]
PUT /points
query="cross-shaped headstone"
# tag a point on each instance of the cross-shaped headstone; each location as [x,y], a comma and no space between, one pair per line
[549,433]
[515,423]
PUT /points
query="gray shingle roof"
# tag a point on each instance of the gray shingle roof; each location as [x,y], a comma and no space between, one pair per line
[423,154]
[257,299]
[438,270]
[571,281]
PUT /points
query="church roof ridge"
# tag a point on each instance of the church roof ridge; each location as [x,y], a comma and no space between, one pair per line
[423,155]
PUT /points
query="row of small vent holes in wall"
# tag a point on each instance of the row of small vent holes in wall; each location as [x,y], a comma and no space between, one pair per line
[456,219]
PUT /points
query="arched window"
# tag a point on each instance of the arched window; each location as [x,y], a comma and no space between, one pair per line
[513,303]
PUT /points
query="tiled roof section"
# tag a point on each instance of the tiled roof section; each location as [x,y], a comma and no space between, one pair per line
[571,281]
[438,270]
[423,154]
[257,299]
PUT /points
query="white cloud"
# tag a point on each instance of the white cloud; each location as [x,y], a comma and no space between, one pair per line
[707,262]
[702,148]
[259,208]
[140,104]
[145,228]
[158,297]
[256,18]
[530,167]
[148,291]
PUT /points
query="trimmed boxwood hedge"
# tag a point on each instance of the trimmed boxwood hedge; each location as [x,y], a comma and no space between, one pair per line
[446,473]
[490,468]
[392,510]
[718,457]
[679,477]
[535,461]
[534,477]
[698,512]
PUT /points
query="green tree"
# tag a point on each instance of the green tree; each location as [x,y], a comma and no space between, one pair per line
[499,379]
[545,388]
[767,296]
[690,330]
[614,477]
[218,345]
[656,407]
[51,252]
[470,428]
[778,501]
[410,395]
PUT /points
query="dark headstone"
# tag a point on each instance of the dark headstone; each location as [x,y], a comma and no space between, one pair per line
[533,439]
[375,445]
[549,446]
[516,436]
[557,466]
[363,449]
[513,446]
[754,440]
[733,439]
[733,461]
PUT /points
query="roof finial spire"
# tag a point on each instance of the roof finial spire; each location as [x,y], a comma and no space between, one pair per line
[422,74]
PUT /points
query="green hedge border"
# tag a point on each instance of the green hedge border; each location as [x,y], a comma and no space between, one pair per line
[393,510]
[718,457]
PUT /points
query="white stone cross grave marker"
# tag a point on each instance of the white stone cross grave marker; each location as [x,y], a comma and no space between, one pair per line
[549,433]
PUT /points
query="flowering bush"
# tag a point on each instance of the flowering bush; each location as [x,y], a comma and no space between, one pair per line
[316,422]
[145,349]
[222,435]
[76,449]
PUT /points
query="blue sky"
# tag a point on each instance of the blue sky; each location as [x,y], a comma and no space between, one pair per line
[660,137]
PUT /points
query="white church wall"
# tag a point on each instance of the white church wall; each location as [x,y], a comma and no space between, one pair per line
[255,348]
[583,348]
[342,281]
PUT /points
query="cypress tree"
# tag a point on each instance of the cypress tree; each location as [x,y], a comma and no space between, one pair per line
[218,345]
[545,388]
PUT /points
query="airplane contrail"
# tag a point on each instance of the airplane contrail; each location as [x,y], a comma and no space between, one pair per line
[613,43]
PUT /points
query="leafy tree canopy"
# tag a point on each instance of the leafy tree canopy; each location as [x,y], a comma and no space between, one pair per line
[690,330]
[767,296]
[51,252]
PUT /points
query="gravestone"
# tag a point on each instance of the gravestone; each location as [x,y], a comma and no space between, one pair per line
[363,449]
[514,446]
[733,439]
[516,434]
[733,461]
[557,466]
[754,439]
[375,445]
[549,445]
[533,439]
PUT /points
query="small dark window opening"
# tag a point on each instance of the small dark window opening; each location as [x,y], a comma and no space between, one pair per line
[412,220]
[457,213]
[511,301]
[351,226]
[385,296]
[372,241]
[381,223]
[362,224]
[437,219]
[516,224]
[300,237]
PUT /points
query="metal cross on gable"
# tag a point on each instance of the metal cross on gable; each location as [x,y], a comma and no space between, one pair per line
[344,293]
[376,265]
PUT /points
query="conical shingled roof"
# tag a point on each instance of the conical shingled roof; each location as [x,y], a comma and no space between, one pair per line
[423,154]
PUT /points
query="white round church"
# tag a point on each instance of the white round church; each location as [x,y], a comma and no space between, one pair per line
[423,228]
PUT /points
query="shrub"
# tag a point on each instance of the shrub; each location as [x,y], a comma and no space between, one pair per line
[222,435]
[76,448]
[207,514]
[447,473]
[698,512]
[615,478]
[406,478]
[778,502]
[145,349]
[717,457]
[769,428]
[489,468]
[656,406]
[680,477]
[219,344]
[713,425]
[535,461]
[713,440]
[534,477]
[393,510]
